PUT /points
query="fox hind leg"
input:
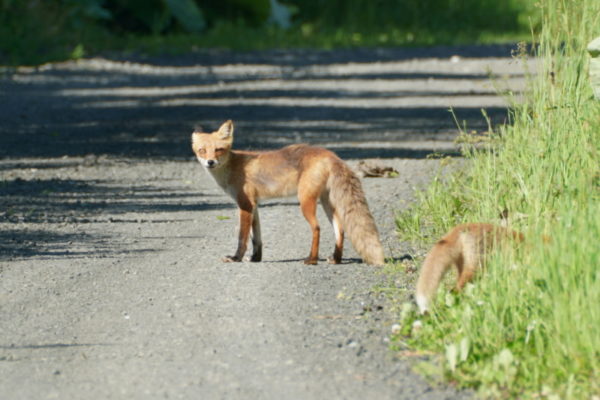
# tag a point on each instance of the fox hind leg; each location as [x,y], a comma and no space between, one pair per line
[308,205]
[256,238]
[468,264]
[333,217]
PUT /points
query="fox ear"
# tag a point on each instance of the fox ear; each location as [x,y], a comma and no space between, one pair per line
[226,131]
[195,138]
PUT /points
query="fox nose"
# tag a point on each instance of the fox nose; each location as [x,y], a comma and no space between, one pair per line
[211,163]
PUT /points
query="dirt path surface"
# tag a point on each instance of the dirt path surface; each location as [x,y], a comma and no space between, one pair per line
[111,284]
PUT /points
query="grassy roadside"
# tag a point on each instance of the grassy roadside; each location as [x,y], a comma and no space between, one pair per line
[35,31]
[530,328]
[227,36]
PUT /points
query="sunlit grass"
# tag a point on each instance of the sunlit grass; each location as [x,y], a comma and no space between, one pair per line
[528,329]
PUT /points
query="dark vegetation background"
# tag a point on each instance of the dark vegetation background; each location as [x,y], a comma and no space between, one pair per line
[37,31]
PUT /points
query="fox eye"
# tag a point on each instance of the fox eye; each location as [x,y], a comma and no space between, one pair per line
[220,149]
[201,150]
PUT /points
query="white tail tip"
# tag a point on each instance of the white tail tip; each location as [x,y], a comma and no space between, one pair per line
[422,303]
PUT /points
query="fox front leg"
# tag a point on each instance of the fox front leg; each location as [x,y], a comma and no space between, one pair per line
[246,217]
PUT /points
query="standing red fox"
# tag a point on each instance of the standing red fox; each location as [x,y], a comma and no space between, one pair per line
[313,173]
[465,246]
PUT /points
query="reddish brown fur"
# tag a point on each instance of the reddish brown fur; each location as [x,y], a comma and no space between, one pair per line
[465,246]
[313,173]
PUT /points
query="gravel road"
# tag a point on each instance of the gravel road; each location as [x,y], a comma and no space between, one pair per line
[111,285]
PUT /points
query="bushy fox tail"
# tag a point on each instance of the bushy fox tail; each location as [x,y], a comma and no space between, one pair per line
[348,199]
[437,262]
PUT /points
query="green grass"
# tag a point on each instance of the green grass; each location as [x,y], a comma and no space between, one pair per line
[35,31]
[227,36]
[529,328]
[224,36]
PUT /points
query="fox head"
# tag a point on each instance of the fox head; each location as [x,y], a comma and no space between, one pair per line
[212,149]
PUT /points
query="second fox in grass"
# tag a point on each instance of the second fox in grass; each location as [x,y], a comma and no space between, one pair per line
[465,246]
[312,173]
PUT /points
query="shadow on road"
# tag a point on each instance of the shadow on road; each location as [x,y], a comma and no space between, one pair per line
[80,201]
[149,110]
[51,203]
[50,346]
